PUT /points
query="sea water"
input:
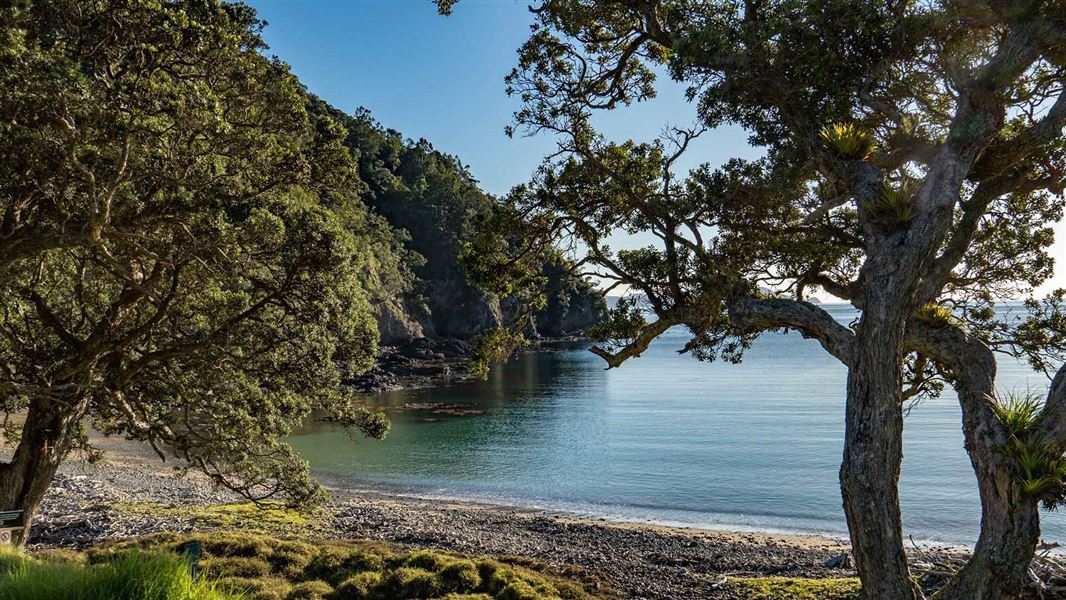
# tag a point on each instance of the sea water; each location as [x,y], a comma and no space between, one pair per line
[666,439]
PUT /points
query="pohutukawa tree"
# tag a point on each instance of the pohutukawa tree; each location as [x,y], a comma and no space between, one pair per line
[179,261]
[914,157]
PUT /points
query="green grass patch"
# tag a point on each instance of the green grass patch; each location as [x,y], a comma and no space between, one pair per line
[130,575]
[795,588]
[267,568]
[271,518]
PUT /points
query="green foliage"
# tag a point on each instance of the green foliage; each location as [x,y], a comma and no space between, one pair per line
[935,314]
[409,582]
[1039,464]
[795,588]
[894,204]
[125,576]
[449,223]
[360,586]
[350,570]
[235,566]
[262,517]
[848,141]
[493,347]
[310,590]
[184,262]
[1019,413]
[623,322]
[459,575]
[263,588]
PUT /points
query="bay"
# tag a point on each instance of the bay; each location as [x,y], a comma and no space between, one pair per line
[666,439]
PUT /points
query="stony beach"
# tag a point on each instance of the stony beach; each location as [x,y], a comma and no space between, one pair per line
[89,503]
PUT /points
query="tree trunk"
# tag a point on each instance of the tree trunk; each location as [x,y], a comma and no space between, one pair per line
[873,450]
[1010,530]
[1010,520]
[869,476]
[47,437]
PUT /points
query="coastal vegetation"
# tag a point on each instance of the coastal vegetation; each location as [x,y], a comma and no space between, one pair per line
[237,565]
[181,261]
[195,252]
[911,164]
[131,576]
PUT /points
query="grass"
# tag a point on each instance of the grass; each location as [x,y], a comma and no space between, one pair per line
[265,518]
[266,568]
[125,576]
[795,588]
[245,566]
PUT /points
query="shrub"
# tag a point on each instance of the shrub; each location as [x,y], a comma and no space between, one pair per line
[267,588]
[310,590]
[494,576]
[234,566]
[430,561]
[460,576]
[232,544]
[796,588]
[410,582]
[335,564]
[290,563]
[359,586]
[261,568]
[518,590]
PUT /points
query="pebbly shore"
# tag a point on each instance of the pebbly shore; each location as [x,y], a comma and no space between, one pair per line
[89,504]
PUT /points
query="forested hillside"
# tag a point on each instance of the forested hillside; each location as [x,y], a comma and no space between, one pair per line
[436,203]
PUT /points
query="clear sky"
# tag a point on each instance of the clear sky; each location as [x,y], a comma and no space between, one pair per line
[442,79]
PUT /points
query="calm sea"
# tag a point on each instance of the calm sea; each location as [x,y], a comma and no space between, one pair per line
[665,439]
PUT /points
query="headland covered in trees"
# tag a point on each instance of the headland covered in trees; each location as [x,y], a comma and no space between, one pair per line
[197,255]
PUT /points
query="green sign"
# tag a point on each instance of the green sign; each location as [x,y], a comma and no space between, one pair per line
[11,518]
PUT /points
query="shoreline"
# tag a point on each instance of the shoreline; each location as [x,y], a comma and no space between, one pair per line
[129,495]
[799,539]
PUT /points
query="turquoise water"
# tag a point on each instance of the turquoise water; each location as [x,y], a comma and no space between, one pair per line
[665,439]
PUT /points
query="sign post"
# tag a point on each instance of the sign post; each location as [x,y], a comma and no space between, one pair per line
[10,522]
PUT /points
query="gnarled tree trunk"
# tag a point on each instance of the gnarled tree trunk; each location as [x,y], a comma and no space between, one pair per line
[1010,519]
[47,436]
[873,452]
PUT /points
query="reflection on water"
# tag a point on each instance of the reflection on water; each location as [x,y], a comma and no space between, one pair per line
[664,438]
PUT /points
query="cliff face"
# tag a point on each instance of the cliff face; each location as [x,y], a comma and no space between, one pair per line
[573,305]
[432,198]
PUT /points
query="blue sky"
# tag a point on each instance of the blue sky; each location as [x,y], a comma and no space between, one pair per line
[442,79]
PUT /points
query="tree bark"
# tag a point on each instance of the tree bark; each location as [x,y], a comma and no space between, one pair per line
[1010,520]
[1010,531]
[873,453]
[47,437]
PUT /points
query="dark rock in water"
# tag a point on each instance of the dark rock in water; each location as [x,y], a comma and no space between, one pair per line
[417,363]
